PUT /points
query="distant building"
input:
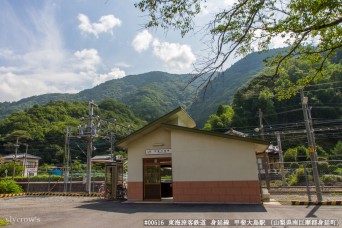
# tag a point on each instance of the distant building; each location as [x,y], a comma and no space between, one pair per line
[105,158]
[236,133]
[29,162]
[272,157]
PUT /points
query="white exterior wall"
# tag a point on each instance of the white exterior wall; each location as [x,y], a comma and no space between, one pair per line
[178,122]
[197,157]
[136,152]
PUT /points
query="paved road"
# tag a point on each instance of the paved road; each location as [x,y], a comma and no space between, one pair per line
[90,212]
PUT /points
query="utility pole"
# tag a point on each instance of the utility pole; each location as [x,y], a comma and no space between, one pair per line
[91,134]
[25,161]
[16,145]
[69,161]
[311,144]
[66,160]
[112,148]
[267,177]
[281,159]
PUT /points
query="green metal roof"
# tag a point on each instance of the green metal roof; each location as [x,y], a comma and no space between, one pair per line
[154,125]
[211,133]
[162,122]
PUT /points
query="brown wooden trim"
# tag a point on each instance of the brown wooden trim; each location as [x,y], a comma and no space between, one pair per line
[153,162]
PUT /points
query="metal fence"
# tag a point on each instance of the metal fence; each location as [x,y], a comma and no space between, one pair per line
[295,180]
[49,181]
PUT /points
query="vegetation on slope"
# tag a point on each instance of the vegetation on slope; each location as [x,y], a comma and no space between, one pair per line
[45,126]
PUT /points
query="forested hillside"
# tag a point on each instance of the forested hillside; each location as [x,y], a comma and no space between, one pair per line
[284,114]
[149,95]
[43,127]
[153,94]
[225,85]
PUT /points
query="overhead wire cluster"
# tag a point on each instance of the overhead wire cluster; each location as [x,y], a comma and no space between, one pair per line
[295,130]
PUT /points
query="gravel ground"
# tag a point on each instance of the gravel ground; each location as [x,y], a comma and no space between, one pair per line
[47,211]
[303,197]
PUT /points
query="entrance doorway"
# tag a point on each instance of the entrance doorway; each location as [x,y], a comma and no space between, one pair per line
[157,178]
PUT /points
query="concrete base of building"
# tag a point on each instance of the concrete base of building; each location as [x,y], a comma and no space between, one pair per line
[217,191]
[135,191]
[206,191]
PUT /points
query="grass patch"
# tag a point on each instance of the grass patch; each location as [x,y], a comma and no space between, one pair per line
[4,222]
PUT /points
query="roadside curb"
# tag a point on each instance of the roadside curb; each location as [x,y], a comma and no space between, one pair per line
[50,194]
[316,203]
[11,195]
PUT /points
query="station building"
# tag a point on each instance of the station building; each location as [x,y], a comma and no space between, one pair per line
[170,158]
[28,161]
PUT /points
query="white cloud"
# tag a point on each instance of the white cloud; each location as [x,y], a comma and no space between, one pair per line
[142,41]
[14,87]
[27,75]
[122,64]
[105,24]
[229,2]
[279,41]
[177,57]
[208,8]
[89,58]
[4,69]
[115,73]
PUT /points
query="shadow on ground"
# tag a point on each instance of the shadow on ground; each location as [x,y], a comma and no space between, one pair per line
[131,208]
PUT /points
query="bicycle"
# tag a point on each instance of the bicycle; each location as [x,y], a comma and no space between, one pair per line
[122,193]
[102,193]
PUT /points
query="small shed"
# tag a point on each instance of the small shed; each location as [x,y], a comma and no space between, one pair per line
[170,158]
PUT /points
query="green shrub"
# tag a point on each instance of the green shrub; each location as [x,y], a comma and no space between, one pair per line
[338,171]
[40,178]
[331,179]
[4,222]
[276,183]
[300,174]
[298,178]
[9,167]
[323,167]
[332,167]
[9,186]
[302,154]
[339,165]
[294,165]
[321,158]
[290,155]
[291,180]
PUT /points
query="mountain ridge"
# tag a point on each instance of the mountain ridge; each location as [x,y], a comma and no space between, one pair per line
[155,93]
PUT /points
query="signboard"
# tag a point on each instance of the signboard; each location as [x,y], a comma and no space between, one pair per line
[158,151]
[31,170]
[312,150]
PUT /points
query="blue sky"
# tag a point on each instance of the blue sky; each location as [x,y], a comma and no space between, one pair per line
[65,46]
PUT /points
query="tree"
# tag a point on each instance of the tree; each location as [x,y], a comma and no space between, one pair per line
[337,151]
[290,155]
[321,152]
[222,120]
[302,154]
[311,28]
[9,167]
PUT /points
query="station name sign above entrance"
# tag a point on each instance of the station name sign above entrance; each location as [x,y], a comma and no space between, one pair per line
[158,151]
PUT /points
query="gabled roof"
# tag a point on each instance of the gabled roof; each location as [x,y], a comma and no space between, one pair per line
[179,113]
[166,122]
[234,132]
[205,132]
[21,156]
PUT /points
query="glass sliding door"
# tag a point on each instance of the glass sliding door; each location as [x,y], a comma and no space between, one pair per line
[152,187]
